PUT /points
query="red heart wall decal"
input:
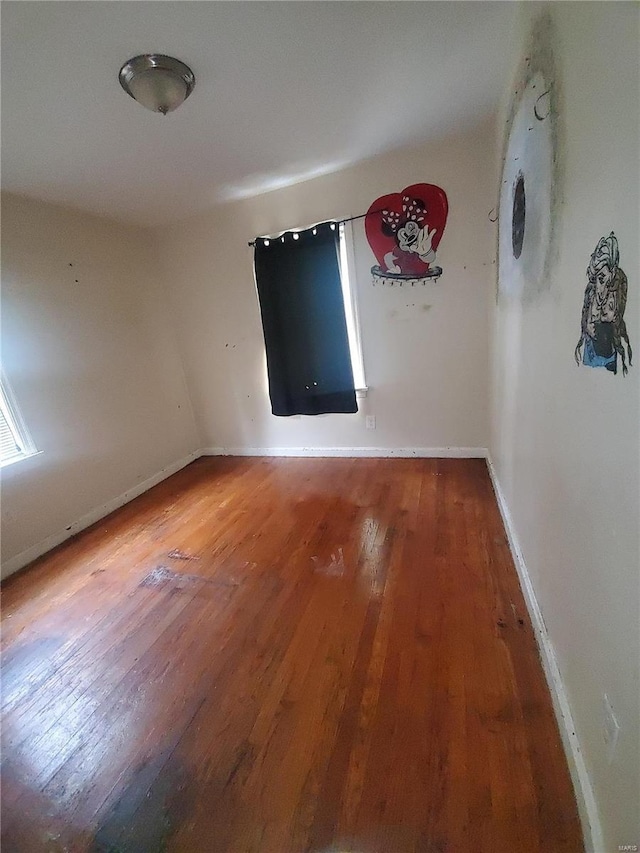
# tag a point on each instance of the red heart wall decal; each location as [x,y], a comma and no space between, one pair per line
[404,229]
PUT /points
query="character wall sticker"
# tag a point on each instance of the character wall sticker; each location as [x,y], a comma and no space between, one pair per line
[603,328]
[404,230]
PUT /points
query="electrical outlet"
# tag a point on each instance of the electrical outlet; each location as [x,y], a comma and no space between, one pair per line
[371,422]
[610,728]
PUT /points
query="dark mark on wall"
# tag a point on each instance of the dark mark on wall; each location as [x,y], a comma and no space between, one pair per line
[538,60]
[535,107]
[518,218]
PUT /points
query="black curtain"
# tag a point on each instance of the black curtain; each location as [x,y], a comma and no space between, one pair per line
[305,330]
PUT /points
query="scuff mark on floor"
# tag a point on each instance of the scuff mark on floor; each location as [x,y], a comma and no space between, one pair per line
[335,566]
[176,554]
[163,577]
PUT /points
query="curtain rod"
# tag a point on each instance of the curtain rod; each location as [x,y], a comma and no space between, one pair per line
[337,221]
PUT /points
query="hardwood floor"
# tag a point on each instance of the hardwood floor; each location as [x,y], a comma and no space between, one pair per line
[263,656]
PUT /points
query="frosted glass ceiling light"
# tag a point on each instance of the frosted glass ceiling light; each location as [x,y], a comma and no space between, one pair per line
[160,83]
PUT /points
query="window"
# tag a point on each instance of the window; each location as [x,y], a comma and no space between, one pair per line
[347,266]
[310,320]
[15,441]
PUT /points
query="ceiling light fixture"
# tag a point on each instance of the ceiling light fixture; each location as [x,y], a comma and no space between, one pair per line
[158,82]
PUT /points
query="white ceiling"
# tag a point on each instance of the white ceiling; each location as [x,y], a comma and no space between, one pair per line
[284,91]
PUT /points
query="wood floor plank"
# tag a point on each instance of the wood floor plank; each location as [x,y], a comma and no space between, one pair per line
[283,655]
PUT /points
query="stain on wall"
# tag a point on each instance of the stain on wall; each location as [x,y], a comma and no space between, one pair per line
[532,175]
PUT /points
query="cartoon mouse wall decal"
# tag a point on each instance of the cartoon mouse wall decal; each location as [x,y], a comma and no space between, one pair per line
[404,230]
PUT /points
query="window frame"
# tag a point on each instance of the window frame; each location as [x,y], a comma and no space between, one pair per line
[349,297]
[16,424]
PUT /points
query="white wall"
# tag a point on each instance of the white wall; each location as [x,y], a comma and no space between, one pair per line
[94,366]
[425,347]
[565,439]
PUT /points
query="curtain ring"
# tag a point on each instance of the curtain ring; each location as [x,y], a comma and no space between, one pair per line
[493,210]
[535,106]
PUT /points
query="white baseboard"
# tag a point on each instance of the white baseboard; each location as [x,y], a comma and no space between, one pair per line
[35,551]
[405,452]
[587,807]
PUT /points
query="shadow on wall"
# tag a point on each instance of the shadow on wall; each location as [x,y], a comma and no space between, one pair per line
[508,388]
